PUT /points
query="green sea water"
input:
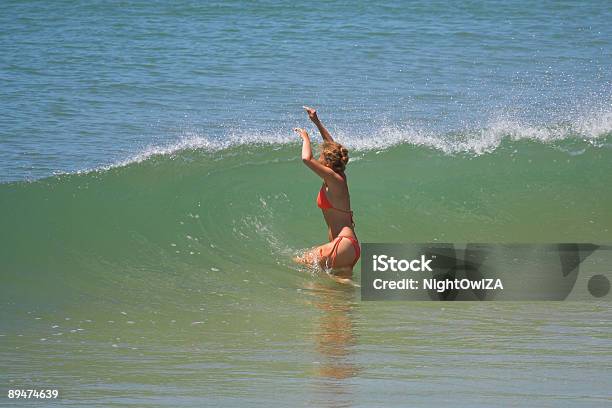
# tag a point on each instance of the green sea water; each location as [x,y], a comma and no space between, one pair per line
[169,281]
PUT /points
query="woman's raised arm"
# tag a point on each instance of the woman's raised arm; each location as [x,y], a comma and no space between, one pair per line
[312,114]
[322,171]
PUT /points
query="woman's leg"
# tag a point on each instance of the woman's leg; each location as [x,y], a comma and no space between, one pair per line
[326,254]
[317,256]
[339,254]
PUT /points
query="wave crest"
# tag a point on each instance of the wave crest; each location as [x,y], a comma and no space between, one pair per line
[589,129]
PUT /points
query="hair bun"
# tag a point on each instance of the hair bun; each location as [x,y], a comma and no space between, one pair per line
[345,156]
[335,155]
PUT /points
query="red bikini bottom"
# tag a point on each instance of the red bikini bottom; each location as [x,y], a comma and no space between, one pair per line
[334,251]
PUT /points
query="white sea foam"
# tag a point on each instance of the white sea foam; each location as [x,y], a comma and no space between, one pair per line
[486,139]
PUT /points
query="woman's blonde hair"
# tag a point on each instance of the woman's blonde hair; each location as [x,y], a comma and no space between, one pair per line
[335,156]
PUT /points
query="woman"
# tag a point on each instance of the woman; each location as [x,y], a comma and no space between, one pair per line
[342,252]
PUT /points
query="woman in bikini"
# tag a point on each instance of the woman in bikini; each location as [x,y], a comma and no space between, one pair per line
[342,252]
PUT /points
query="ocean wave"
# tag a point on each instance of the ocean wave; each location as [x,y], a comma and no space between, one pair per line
[590,129]
[488,138]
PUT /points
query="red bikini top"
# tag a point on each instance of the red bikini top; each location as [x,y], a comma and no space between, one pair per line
[322,201]
[324,204]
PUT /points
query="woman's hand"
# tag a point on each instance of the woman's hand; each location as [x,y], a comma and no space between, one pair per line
[312,113]
[306,149]
[303,134]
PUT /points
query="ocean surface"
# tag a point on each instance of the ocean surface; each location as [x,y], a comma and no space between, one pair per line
[152,196]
